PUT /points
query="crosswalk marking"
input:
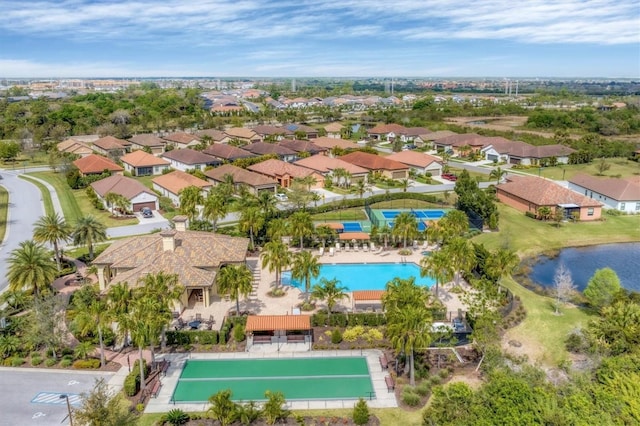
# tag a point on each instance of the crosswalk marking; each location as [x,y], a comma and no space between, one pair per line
[54,398]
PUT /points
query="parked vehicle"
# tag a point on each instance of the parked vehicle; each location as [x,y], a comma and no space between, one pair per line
[449,176]
[146,212]
[281,197]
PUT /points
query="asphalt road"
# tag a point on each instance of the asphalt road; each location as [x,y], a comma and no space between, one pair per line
[32,396]
[25,208]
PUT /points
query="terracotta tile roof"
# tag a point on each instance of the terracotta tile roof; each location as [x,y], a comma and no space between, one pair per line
[617,189]
[414,158]
[241,133]
[147,139]
[458,140]
[263,148]
[96,164]
[122,185]
[329,143]
[302,146]
[194,259]
[325,164]
[74,146]
[273,167]
[109,142]
[177,180]
[383,129]
[367,295]
[333,127]
[227,152]
[278,322]
[372,161]
[215,134]
[181,137]
[543,192]
[190,157]
[140,158]
[265,130]
[344,236]
[240,175]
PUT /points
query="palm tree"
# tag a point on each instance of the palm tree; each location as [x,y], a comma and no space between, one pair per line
[461,254]
[330,291]
[405,184]
[164,289]
[89,230]
[361,187]
[52,229]
[110,198]
[304,267]
[140,322]
[438,267]
[276,257]
[277,228]
[409,330]
[300,225]
[31,268]
[119,299]
[267,203]
[251,221]
[235,280]
[400,293]
[405,226]
[94,317]
[501,263]
[497,174]
[454,224]
[215,208]
[190,198]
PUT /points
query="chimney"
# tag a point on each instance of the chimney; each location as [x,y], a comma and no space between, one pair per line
[168,240]
[181,223]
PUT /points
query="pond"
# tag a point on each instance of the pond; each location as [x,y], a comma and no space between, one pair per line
[624,259]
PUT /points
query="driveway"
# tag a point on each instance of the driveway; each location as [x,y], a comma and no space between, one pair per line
[25,208]
[32,395]
[145,226]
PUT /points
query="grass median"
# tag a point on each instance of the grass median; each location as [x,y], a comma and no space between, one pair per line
[46,195]
[4,211]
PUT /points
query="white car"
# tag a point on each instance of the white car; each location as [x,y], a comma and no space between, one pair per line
[281,197]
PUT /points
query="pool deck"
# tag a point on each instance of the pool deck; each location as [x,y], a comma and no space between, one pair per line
[383,398]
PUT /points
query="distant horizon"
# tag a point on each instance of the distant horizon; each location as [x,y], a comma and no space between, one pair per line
[271,38]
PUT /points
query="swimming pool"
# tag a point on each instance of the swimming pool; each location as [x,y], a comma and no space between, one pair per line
[364,276]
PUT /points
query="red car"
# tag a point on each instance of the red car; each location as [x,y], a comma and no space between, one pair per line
[449,176]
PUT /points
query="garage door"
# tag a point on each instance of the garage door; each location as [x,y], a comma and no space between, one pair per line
[137,207]
[492,157]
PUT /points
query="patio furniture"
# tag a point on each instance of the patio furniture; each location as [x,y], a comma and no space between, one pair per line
[331,251]
[194,324]
[321,251]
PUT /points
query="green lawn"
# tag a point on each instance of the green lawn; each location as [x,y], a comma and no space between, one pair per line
[46,195]
[75,203]
[529,236]
[343,214]
[4,210]
[620,167]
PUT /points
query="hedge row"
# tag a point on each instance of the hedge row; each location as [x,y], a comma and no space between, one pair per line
[181,338]
[321,319]
[132,381]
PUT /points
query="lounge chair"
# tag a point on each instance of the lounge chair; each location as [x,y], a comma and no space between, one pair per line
[331,251]
[386,253]
[321,251]
[372,246]
[365,247]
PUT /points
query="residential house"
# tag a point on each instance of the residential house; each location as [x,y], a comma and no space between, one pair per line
[226,152]
[96,164]
[111,147]
[264,148]
[516,152]
[242,135]
[269,133]
[195,257]
[147,141]
[334,130]
[190,159]
[303,146]
[139,196]
[619,194]
[429,138]
[141,163]
[215,135]
[294,131]
[74,147]
[326,166]
[284,173]
[182,140]
[419,162]
[419,136]
[255,182]
[530,193]
[171,184]
[377,164]
[335,143]
[387,132]
[454,144]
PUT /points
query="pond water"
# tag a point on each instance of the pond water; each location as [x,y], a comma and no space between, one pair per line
[624,259]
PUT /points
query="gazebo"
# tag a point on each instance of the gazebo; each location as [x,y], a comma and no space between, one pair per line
[278,329]
[367,300]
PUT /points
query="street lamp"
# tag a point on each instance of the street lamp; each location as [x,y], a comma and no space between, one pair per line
[65,396]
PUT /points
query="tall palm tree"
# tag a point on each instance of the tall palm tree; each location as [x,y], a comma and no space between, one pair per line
[361,187]
[405,226]
[277,228]
[276,257]
[110,198]
[267,203]
[235,280]
[31,268]
[409,330]
[164,289]
[437,266]
[89,230]
[190,198]
[251,221]
[141,322]
[501,263]
[52,229]
[462,256]
[497,174]
[400,293]
[119,300]
[215,207]
[330,291]
[305,266]
[453,224]
[405,184]
[94,317]
[300,225]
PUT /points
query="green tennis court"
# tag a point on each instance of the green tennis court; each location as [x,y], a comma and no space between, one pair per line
[296,378]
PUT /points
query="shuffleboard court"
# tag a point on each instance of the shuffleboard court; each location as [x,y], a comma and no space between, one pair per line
[296,378]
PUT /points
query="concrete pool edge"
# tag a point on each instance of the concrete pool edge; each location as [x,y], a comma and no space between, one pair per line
[384,399]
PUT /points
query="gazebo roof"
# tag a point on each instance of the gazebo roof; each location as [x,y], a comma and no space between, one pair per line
[354,236]
[278,322]
[368,295]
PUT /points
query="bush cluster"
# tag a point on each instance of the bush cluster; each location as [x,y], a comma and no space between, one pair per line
[203,337]
[132,381]
[91,363]
[321,319]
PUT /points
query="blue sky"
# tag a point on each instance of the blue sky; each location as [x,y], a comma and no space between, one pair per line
[320,38]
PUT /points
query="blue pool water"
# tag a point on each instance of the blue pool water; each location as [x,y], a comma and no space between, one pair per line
[364,276]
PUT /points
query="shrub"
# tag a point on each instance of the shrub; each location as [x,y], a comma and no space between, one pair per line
[361,412]
[91,363]
[423,388]
[238,333]
[353,333]
[409,397]
[435,380]
[176,417]
[50,362]
[17,361]
[443,373]
[36,360]
[66,362]
[131,385]
[66,351]
[336,337]
[373,335]
[575,342]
